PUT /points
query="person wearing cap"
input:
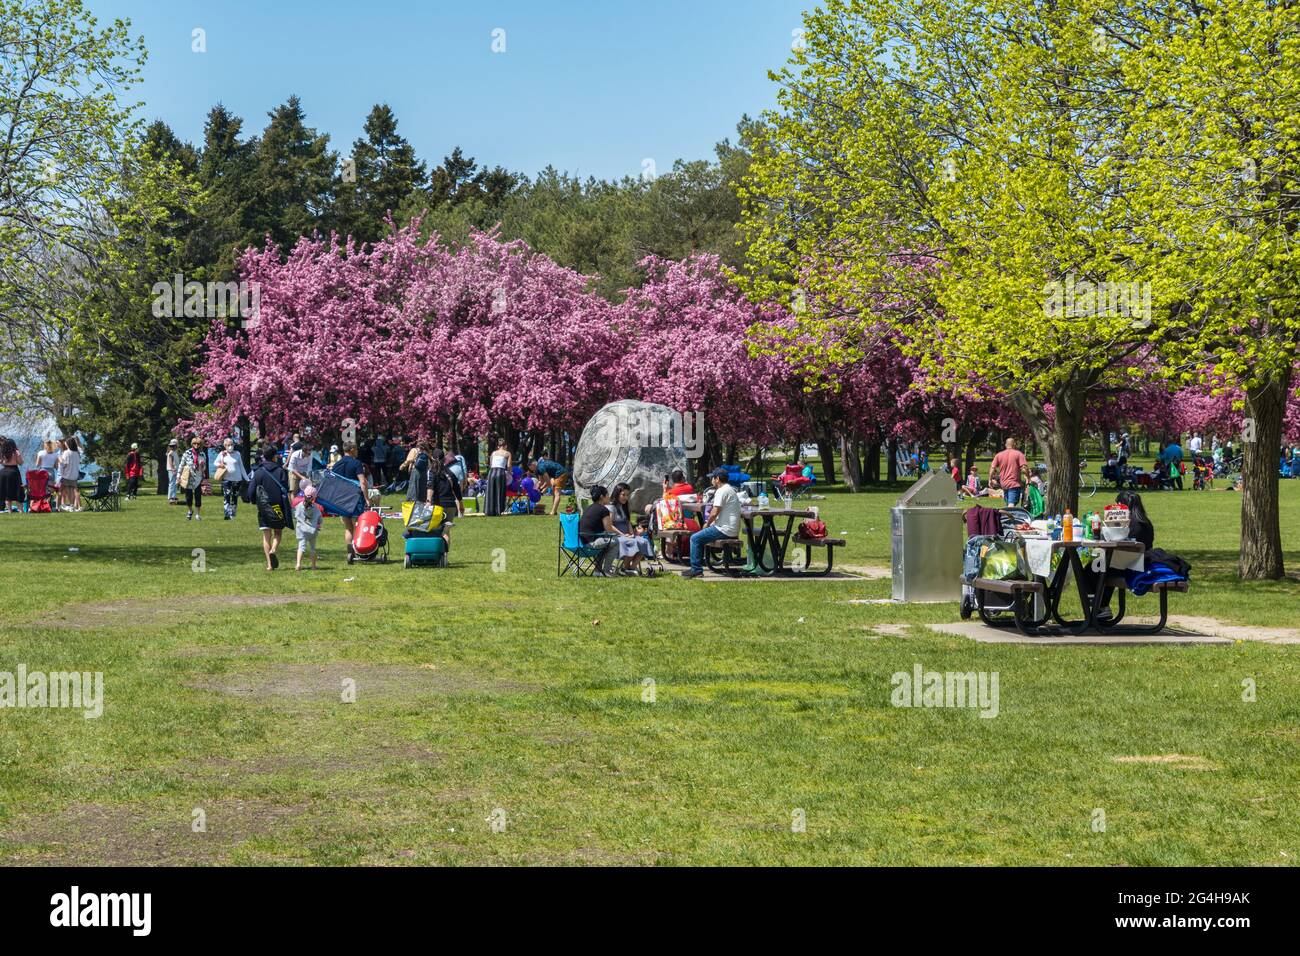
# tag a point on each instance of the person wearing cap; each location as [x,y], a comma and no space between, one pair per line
[723,520]
[173,469]
[194,466]
[233,474]
[334,455]
[134,471]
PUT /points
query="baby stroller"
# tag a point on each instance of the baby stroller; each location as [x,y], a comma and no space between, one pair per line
[424,539]
[38,493]
[369,538]
[991,605]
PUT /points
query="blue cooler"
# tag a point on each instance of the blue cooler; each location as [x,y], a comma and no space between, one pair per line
[430,549]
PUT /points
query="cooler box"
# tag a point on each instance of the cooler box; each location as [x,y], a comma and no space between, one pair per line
[426,550]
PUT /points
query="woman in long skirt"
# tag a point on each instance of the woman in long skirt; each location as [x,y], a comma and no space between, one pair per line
[497,480]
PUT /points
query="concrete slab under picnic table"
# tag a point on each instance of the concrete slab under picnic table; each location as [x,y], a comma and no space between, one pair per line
[1181,629]
[835,575]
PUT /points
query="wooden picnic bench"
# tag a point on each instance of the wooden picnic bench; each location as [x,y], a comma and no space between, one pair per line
[830,544]
[1020,592]
[725,555]
[1051,590]
[1120,586]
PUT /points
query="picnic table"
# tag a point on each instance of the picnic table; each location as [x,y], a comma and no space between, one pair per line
[1049,586]
[769,544]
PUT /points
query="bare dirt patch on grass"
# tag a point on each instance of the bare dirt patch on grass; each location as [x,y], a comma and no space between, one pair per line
[1176,761]
[125,835]
[165,612]
[367,756]
[326,682]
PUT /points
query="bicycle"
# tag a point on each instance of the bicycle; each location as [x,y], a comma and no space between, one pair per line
[1087,483]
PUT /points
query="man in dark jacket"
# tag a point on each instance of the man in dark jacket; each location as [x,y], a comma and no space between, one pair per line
[269,491]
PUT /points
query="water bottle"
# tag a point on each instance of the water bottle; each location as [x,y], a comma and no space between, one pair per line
[763,501]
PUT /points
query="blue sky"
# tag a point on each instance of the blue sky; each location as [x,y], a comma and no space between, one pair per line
[593,87]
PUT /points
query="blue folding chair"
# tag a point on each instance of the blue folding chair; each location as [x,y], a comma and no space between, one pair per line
[582,558]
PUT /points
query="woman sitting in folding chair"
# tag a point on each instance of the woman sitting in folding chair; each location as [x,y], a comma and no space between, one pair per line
[632,547]
[596,530]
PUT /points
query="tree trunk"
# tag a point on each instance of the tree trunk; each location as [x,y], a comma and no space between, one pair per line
[972,449]
[849,455]
[1060,444]
[826,449]
[891,465]
[871,467]
[160,459]
[1260,555]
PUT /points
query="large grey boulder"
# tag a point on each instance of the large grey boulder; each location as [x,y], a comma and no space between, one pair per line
[632,441]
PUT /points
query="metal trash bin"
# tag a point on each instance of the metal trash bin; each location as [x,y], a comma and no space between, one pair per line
[927,536]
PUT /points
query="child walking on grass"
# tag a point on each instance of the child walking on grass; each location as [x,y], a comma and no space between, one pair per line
[307,520]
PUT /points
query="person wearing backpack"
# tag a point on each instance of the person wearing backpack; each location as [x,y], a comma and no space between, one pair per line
[269,491]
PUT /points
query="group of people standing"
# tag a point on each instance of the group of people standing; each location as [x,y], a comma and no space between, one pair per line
[60,459]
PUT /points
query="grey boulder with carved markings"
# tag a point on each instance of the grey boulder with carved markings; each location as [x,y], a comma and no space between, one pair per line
[632,441]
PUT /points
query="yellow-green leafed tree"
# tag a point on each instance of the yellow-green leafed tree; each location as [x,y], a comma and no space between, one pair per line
[1215,154]
[962,158]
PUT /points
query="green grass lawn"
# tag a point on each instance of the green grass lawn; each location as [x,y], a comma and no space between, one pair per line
[482,688]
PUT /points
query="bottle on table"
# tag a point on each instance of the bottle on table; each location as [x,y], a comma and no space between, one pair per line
[1067,526]
[763,501]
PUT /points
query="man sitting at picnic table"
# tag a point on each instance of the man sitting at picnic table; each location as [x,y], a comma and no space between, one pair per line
[1010,470]
[723,522]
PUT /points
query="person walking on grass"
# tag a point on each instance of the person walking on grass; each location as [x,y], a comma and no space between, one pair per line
[307,519]
[347,466]
[134,471]
[173,470]
[269,491]
[232,474]
[300,461]
[1010,470]
[194,467]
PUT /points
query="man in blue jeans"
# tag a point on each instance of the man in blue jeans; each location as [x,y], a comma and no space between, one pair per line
[724,521]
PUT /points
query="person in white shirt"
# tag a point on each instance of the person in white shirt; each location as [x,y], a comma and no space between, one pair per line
[299,465]
[1195,444]
[48,459]
[69,472]
[173,469]
[723,520]
[233,475]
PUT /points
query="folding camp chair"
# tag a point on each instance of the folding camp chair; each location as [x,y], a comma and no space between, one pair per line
[582,558]
[100,499]
[114,501]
